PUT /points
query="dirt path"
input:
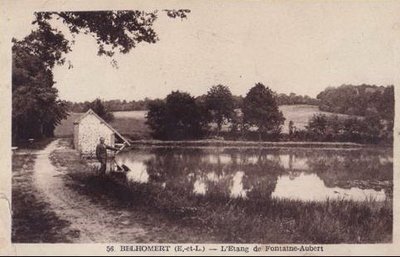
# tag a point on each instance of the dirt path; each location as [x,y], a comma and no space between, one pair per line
[32,219]
[67,204]
[91,219]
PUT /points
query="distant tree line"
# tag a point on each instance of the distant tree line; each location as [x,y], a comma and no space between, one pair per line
[142,105]
[362,100]
[292,99]
[111,105]
[359,100]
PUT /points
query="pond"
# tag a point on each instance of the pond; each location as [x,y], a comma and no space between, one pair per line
[284,173]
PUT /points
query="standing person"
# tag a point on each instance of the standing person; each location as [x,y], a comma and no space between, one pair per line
[101,154]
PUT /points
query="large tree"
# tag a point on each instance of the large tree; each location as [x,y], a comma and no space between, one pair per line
[177,117]
[220,105]
[260,109]
[36,107]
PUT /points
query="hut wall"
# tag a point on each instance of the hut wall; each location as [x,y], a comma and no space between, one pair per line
[89,132]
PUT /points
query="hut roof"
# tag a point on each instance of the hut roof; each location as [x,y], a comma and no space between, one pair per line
[90,111]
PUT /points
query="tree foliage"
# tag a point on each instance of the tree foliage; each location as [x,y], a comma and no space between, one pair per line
[113,30]
[318,124]
[100,109]
[362,100]
[260,109]
[292,98]
[120,30]
[177,117]
[220,104]
[35,107]
[113,105]
[369,129]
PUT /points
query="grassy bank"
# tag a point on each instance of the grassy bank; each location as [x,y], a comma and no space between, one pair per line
[258,219]
[265,220]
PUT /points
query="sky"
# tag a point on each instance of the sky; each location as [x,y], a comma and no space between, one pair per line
[301,47]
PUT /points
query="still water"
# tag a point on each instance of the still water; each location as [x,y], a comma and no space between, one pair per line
[297,173]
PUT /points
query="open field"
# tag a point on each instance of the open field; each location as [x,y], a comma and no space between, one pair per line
[300,114]
[132,123]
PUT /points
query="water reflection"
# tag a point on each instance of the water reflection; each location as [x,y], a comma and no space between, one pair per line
[237,189]
[213,177]
[138,172]
[301,174]
[218,159]
[200,187]
[288,187]
[292,162]
[138,169]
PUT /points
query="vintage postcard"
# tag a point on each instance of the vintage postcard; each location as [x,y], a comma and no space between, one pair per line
[199,127]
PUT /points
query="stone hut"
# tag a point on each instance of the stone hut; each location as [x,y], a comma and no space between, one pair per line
[87,131]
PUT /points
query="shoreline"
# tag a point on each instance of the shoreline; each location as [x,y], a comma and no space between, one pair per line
[250,144]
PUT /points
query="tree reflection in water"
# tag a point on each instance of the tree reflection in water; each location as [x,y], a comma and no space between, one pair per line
[305,174]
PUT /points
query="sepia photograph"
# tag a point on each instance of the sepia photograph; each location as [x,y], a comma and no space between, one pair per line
[231,123]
